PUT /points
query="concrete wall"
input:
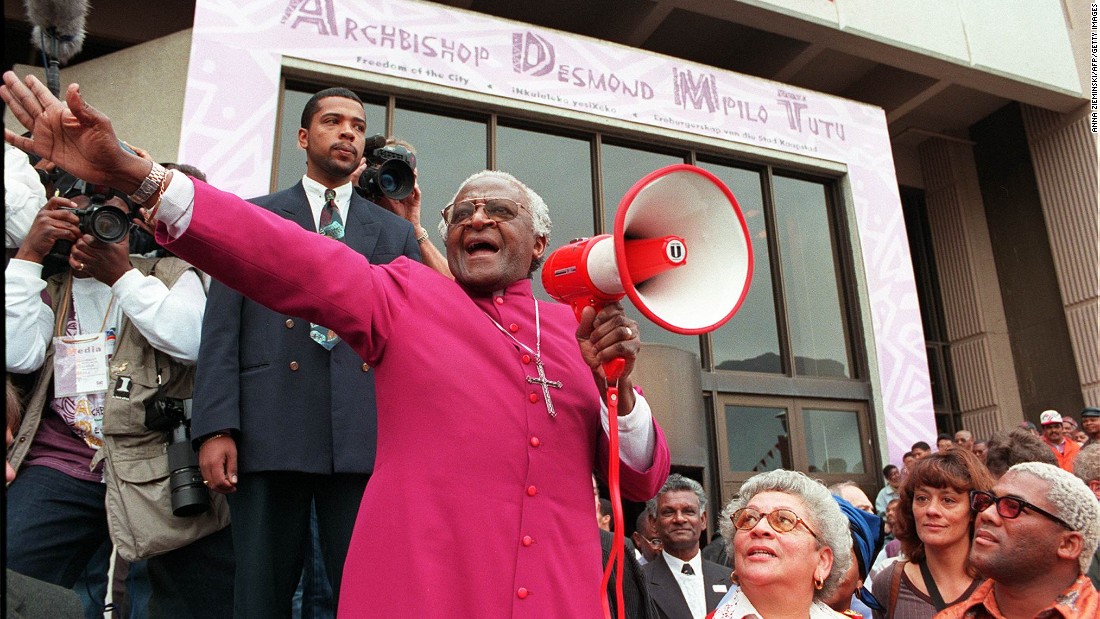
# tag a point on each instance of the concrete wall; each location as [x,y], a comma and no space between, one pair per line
[1026,40]
[974,315]
[140,88]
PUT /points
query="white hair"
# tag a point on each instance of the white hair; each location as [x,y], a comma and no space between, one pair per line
[1073,502]
[540,212]
[1086,466]
[825,517]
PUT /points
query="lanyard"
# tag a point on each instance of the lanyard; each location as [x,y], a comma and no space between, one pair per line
[63,310]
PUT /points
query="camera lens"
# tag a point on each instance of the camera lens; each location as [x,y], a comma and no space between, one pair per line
[396,179]
[108,224]
[388,182]
[189,495]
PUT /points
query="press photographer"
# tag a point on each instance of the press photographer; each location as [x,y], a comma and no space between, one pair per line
[407,206]
[107,337]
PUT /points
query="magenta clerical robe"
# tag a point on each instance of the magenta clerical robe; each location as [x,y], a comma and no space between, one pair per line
[481,503]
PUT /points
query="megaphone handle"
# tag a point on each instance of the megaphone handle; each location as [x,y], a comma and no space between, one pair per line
[617,544]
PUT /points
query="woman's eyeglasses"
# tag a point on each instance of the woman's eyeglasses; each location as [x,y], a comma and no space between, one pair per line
[496,209]
[781,520]
[1008,506]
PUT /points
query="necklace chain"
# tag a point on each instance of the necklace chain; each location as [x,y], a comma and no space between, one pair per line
[537,353]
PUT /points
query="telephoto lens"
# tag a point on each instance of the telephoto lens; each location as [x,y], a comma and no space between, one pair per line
[189,494]
[173,416]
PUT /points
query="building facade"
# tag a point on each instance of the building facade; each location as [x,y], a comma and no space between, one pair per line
[919,180]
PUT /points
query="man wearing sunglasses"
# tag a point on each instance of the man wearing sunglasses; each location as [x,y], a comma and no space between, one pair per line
[1034,536]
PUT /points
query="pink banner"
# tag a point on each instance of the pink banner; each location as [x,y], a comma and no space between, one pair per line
[233,91]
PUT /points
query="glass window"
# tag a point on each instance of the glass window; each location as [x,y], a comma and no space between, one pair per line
[622,167]
[749,342]
[448,151]
[560,170]
[815,309]
[292,159]
[757,438]
[832,441]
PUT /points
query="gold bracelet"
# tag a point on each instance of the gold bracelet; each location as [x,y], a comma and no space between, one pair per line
[151,214]
[423,237]
[214,436]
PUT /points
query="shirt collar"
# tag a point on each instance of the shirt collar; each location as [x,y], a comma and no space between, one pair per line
[676,565]
[316,191]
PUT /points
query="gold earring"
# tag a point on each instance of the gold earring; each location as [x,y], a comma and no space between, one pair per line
[818,583]
[734,579]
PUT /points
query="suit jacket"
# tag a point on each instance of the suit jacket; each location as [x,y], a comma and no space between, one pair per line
[666,593]
[291,404]
[636,601]
[30,598]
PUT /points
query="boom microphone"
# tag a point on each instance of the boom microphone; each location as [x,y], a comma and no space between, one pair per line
[58,32]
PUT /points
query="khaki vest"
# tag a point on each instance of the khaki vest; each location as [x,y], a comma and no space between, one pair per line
[137,458]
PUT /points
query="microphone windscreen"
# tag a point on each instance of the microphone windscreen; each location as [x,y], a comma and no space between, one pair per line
[62,24]
[375,141]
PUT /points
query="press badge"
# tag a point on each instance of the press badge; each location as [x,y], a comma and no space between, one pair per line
[79,364]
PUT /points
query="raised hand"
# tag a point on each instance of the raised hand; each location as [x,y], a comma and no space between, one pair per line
[73,134]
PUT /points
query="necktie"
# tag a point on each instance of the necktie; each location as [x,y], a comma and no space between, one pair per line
[687,570]
[332,226]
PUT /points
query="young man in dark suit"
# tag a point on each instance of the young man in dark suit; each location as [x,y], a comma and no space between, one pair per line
[681,582]
[284,412]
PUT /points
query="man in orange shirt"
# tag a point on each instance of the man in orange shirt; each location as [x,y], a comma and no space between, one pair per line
[1055,437]
[1034,536]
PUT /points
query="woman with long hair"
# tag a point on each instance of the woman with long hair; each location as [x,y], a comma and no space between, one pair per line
[935,527]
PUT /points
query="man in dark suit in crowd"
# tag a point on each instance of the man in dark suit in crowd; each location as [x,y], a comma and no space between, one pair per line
[636,601]
[284,412]
[681,582]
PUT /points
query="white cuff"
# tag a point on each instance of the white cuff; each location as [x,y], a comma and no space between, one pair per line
[637,437]
[24,268]
[176,204]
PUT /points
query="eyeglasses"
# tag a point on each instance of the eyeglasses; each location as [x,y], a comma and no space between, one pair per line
[654,542]
[781,520]
[496,209]
[1008,506]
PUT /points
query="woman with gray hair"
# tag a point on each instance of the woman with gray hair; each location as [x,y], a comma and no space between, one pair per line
[790,545]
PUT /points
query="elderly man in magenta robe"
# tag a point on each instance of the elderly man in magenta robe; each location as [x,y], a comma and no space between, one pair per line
[481,504]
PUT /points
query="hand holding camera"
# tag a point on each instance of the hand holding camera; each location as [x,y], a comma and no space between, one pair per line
[57,221]
[104,261]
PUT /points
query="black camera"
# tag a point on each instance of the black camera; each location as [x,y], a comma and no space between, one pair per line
[390,171]
[173,416]
[106,222]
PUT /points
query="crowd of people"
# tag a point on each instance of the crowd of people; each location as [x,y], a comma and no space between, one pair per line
[241,397]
